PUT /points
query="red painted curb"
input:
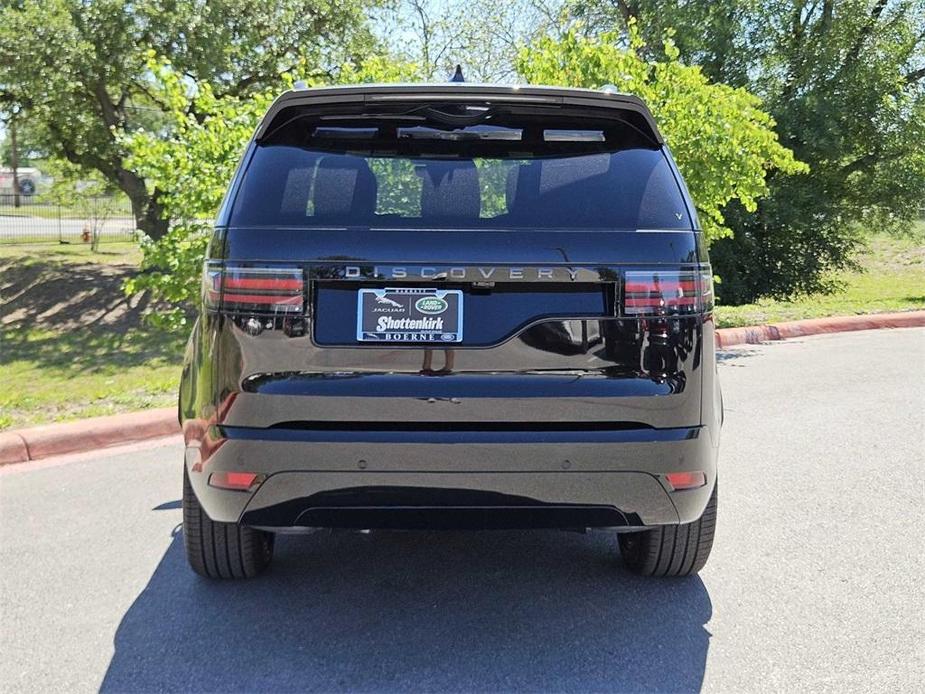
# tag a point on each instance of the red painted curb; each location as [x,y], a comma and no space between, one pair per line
[727,337]
[98,432]
[12,448]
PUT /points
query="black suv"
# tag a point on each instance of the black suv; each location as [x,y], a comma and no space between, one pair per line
[443,306]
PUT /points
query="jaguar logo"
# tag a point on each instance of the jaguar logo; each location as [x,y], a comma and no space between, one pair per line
[387,302]
[431,305]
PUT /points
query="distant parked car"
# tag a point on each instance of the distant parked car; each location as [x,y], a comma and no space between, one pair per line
[30,179]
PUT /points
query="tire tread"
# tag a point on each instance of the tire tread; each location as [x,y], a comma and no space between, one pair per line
[221,550]
[671,550]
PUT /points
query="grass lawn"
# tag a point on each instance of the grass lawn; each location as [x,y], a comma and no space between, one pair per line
[45,212]
[32,211]
[72,345]
[110,253]
[893,279]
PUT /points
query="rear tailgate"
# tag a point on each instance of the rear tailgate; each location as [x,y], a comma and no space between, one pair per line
[564,341]
[553,227]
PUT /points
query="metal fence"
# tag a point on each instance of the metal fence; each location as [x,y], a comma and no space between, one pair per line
[35,220]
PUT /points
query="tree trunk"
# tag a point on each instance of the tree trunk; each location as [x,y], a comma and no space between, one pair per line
[154,224]
[14,162]
[146,208]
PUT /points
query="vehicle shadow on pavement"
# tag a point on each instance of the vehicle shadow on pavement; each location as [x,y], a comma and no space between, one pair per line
[503,610]
[731,356]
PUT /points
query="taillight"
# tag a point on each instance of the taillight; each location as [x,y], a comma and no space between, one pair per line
[648,293]
[254,290]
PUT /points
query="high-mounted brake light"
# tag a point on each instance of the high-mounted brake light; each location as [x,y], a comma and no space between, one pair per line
[255,290]
[667,292]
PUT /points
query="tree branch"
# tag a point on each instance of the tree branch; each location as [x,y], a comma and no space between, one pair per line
[869,159]
[85,159]
[107,108]
[626,11]
[141,87]
[915,76]
[866,31]
[418,8]
[827,7]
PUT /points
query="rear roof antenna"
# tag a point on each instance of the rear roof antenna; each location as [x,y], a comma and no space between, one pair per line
[458,75]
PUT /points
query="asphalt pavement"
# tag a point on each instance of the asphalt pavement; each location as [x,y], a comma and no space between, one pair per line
[815,582]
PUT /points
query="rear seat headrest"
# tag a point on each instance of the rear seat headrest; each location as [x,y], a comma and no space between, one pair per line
[450,189]
[523,183]
[344,187]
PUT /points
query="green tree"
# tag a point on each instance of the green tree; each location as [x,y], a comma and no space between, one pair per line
[194,164]
[87,193]
[30,150]
[482,36]
[845,83]
[716,35]
[78,71]
[722,140]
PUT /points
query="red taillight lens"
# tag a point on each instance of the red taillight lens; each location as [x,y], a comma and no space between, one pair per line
[254,290]
[240,481]
[686,480]
[667,292]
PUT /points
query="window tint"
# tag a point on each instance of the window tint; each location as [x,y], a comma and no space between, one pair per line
[633,188]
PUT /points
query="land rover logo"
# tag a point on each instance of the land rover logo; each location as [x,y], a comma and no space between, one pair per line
[431,305]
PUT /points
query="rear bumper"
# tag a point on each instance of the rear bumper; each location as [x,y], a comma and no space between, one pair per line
[393,478]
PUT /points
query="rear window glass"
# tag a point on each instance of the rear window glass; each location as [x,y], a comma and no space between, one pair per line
[475,177]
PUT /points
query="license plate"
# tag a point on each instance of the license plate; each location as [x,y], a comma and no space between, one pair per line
[409,315]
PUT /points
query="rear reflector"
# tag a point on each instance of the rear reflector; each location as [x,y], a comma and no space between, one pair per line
[686,480]
[254,290]
[667,292]
[240,481]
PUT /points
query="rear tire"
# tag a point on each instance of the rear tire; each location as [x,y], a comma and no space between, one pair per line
[671,550]
[221,550]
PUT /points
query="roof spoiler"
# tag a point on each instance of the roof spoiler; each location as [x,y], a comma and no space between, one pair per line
[459,92]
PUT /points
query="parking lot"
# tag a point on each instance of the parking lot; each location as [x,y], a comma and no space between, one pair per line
[815,582]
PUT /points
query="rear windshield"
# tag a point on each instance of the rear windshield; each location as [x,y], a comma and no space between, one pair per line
[480,176]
